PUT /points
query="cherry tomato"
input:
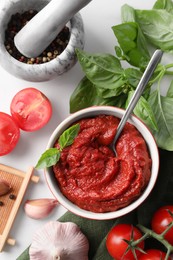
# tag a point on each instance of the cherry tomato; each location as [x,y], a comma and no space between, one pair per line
[116,245]
[9,133]
[31,109]
[161,220]
[153,254]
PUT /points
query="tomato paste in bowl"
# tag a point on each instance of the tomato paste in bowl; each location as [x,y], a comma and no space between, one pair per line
[89,179]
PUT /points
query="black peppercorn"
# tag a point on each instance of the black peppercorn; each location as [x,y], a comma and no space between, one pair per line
[12,197]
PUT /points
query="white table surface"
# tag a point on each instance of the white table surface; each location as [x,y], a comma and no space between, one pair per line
[99,16]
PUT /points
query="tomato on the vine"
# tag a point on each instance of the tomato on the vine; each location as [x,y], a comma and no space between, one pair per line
[160,221]
[116,244]
[31,109]
[9,134]
[153,254]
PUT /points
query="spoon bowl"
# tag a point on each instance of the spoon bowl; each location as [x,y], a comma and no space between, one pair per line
[137,94]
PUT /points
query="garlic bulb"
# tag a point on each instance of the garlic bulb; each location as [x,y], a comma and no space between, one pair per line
[4,187]
[60,241]
[39,208]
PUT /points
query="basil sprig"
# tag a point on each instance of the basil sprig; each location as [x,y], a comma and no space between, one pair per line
[51,156]
[108,82]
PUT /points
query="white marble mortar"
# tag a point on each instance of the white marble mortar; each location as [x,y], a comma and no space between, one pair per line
[45,71]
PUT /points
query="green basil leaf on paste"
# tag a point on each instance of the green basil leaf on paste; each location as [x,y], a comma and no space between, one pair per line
[51,156]
[144,111]
[48,158]
[68,136]
[133,43]
[162,108]
[157,26]
[164,4]
[103,70]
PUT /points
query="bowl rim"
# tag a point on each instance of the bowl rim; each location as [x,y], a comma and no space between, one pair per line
[153,150]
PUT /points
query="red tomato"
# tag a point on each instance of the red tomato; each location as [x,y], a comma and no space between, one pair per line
[31,109]
[116,245]
[153,254]
[9,133]
[161,220]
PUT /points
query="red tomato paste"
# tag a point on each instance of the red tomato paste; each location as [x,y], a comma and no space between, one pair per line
[92,177]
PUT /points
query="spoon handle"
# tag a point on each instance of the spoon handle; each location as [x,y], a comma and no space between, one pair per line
[139,90]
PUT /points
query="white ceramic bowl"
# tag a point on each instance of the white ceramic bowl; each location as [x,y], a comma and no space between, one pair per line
[45,71]
[152,147]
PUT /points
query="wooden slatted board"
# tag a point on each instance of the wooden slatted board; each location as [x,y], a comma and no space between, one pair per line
[18,181]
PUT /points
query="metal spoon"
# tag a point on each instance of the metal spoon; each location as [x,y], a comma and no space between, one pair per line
[138,92]
[43,28]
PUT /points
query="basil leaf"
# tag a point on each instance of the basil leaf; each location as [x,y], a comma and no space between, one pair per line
[68,136]
[51,156]
[157,26]
[127,14]
[87,94]
[144,111]
[133,43]
[170,90]
[133,76]
[48,158]
[103,70]
[162,108]
[164,4]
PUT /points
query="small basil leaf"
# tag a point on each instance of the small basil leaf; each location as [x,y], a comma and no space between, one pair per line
[127,14]
[48,158]
[133,43]
[51,156]
[68,136]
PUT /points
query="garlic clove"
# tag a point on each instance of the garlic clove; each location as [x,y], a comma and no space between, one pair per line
[57,240]
[39,208]
[4,187]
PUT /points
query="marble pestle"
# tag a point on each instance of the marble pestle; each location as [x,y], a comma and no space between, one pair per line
[43,28]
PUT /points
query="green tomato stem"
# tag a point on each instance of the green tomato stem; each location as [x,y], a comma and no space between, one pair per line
[159,237]
[167,229]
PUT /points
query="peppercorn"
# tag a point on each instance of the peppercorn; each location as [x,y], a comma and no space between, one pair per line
[17,21]
[55,52]
[49,54]
[44,59]
[12,197]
